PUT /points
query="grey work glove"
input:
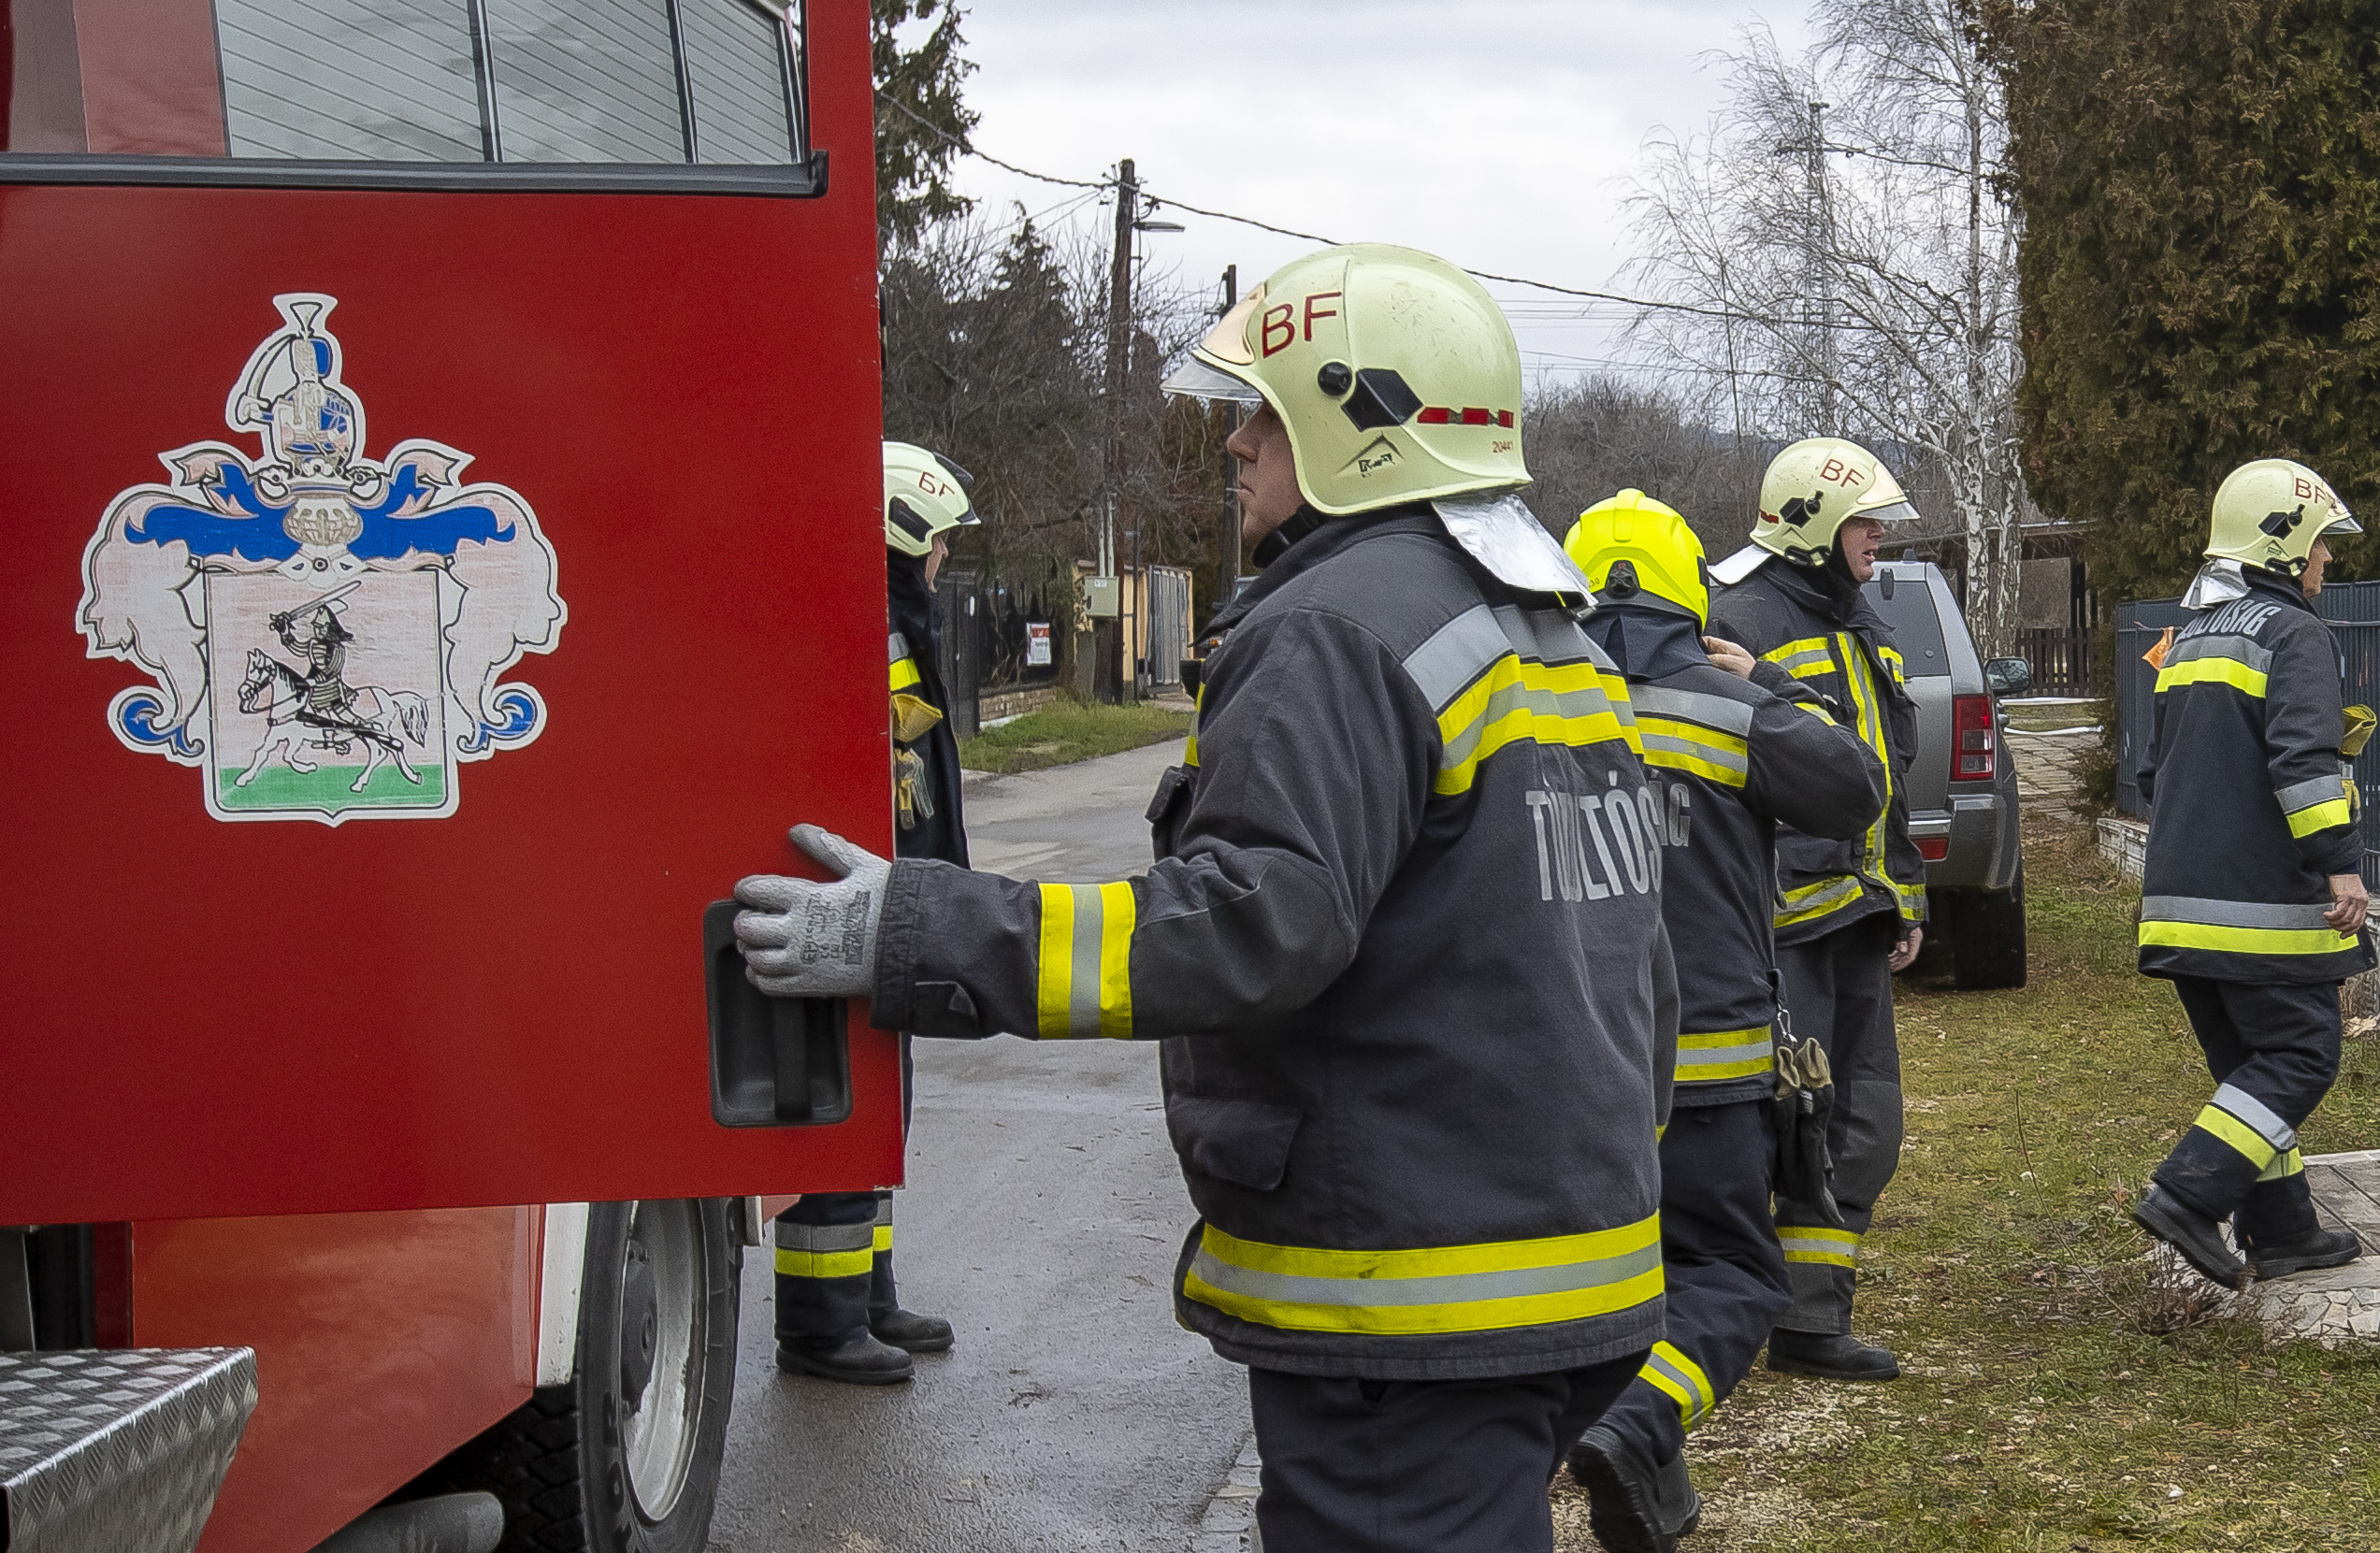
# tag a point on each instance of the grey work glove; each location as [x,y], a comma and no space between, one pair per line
[803,939]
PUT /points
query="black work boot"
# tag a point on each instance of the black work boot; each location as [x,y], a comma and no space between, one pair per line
[886,1320]
[1631,1508]
[2304,1253]
[1830,1356]
[2197,1238]
[858,1360]
[908,1331]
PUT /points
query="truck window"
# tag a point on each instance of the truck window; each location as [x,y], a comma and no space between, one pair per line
[1916,629]
[629,81]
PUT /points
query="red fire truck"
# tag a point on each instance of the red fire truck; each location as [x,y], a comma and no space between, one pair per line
[438,467]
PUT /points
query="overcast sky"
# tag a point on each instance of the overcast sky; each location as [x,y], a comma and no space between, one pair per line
[1499,134]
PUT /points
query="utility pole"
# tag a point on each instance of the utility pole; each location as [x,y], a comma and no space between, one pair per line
[1227,575]
[1821,279]
[1114,650]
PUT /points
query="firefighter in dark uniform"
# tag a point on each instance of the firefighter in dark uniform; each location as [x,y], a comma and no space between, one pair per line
[1733,747]
[838,1313]
[1402,939]
[1849,913]
[2252,896]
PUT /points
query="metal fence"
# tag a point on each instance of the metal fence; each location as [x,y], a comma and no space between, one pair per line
[984,644]
[1167,638]
[2353,609]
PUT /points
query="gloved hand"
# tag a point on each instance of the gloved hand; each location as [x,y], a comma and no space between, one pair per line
[1805,1104]
[803,939]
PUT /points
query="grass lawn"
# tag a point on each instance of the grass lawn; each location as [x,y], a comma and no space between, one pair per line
[2050,1399]
[1067,731]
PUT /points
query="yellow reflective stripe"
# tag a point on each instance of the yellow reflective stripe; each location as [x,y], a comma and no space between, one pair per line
[1198,710]
[1816,711]
[2239,676]
[1520,700]
[1681,746]
[825,1265]
[2242,940]
[883,1240]
[904,674]
[1860,681]
[2286,1163]
[1484,1287]
[1833,1247]
[2321,816]
[2244,1140]
[1809,903]
[1084,981]
[1726,1054]
[1913,900]
[1669,1371]
[1806,659]
[1893,661]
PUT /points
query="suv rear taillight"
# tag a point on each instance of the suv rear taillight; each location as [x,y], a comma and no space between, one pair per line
[1974,741]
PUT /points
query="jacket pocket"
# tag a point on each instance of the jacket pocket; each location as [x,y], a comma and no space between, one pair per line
[1168,807]
[1246,1143]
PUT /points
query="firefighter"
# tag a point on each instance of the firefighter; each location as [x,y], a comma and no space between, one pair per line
[1848,913]
[1402,939]
[2252,895]
[1733,747]
[839,1314]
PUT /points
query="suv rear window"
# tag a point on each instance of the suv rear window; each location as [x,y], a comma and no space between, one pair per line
[1917,630]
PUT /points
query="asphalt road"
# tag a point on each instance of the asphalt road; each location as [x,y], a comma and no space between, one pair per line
[1042,1218]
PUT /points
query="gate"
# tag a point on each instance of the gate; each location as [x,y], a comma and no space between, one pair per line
[1166,641]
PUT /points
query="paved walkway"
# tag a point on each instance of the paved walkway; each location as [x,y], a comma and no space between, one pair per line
[1043,1217]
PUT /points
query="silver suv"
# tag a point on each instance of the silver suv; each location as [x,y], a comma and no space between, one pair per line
[1962,789]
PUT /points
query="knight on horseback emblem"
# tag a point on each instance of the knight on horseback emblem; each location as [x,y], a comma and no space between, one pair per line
[397,598]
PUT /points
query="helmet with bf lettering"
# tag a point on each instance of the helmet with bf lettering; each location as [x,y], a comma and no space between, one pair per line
[1813,488]
[1395,374]
[1634,548]
[2269,512]
[925,495]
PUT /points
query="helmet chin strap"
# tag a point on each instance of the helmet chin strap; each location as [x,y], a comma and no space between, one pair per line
[1270,548]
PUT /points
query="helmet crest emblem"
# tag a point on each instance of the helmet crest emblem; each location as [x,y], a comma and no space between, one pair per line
[1802,509]
[2280,524]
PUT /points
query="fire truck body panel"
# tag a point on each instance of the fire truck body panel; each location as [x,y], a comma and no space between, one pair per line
[224,1007]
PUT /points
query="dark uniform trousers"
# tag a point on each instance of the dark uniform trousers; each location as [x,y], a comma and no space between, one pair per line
[1840,992]
[1725,1275]
[823,1295]
[2274,1051]
[1426,1466]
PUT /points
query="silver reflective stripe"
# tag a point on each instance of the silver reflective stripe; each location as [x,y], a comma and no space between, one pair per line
[1548,635]
[1691,1413]
[1809,657]
[898,646]
[1726,760]
[2257,1115]
[1456,653]
[825,1237]
[883,1210]
[1720,1056]
[2230,913]
[2305,795]
[2225,645]
[1712,711]
[1291,1288]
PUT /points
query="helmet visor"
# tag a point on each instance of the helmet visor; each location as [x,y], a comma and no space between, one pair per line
[1195,379]
[1897,512]
[2344,523]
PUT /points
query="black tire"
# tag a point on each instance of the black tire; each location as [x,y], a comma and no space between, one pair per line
[561,1462]
[1987,940]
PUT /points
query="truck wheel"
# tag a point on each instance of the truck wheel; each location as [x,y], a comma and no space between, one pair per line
[1987,941]
[624,1457]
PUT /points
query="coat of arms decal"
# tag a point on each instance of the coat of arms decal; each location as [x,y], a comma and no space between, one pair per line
[327,633]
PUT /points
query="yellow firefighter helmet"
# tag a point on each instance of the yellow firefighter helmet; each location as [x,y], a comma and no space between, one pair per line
[1632,547]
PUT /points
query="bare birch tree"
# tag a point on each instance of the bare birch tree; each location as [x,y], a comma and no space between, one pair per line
[1841,260]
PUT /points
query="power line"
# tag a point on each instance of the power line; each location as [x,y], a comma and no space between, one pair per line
[1646,303]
